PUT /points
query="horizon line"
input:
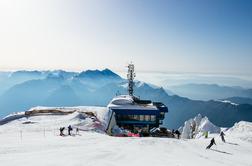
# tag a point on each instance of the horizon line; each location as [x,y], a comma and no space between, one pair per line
[138,71]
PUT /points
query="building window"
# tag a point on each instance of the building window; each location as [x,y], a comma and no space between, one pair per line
[136,117]
[153,118]
[141,118]
[147,117]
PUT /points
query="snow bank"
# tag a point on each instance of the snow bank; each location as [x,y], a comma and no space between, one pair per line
[51,118]
[194,128]
[206,125]
[92,149]
[227,101]
[12,117]
[241,130]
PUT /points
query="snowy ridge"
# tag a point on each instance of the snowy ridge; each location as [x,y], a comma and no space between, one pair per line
[206,125]
[51,118]
[242,130]
[227,101]
[12,117]
[98,111]
[194,128]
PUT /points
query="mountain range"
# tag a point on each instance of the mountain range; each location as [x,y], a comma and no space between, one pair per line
[98,87]
[210,91]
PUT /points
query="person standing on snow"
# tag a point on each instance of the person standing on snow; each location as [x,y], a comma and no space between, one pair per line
[77,130]
[173,133]
[69,129]
[178,133]
[206,134]
[211,143]
[222,136]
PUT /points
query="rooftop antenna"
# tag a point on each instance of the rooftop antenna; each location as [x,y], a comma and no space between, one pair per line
[131,75]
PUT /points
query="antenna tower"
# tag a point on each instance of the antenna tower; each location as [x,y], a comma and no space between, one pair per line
[131,75]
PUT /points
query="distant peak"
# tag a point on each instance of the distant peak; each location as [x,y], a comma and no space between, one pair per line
[25,73]
[108,72]
[98,74]
[106,69]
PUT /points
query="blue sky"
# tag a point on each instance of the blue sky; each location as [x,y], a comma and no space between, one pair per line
[205,36]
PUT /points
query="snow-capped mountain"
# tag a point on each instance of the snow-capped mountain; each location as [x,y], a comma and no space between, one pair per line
[97,78]
[210,91]
[97,88]
[239,100]
[98,74]
[60,74]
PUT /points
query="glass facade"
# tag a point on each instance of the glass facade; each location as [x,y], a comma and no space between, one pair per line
[140,120]
[143,118]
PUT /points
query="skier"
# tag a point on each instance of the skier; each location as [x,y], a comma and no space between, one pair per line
[173,133]
[69,129]
[178,133]
[222,136]
[61,131]
[211,143]
[77,130]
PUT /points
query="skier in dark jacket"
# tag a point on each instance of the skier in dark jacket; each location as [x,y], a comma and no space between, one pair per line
[178,133]
[69,129]
[222,136]
[61,131]
[173,133]
[211,143]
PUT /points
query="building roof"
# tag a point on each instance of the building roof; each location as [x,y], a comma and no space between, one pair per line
[128,102]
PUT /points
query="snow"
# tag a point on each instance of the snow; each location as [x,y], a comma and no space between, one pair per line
[206,125]
[194,128]
[229,102]
[242,130]
[79,118]
[187,132]
[39,144]
[122,100]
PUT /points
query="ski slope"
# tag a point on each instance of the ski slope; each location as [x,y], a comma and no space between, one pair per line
[38,143]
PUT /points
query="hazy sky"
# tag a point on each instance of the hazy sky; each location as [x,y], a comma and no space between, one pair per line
[206,36]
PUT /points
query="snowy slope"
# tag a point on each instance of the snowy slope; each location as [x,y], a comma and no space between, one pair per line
[242,130]
[79,117]
[38,144]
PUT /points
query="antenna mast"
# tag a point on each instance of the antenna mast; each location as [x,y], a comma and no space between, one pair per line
[131,75]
